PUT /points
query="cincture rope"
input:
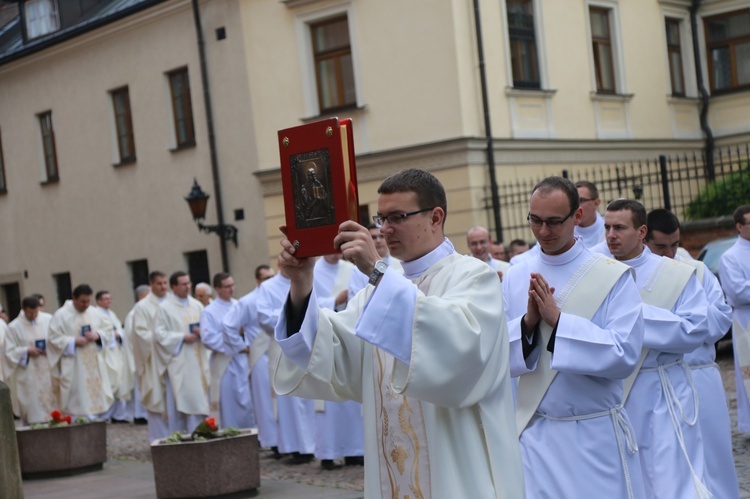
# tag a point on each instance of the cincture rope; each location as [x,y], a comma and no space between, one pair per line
[622,428]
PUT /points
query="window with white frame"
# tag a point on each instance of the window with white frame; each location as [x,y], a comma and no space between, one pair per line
[522,40]
[602,47]
[334,70]
[41,17]
[674,52]
[728,50]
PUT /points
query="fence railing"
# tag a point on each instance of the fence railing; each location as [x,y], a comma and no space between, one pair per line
[682,183]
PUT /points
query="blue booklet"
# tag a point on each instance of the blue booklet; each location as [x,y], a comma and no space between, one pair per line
[85,329]
[41,344]
[194,325]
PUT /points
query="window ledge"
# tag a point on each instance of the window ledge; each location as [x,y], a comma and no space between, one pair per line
[682,99]
[529,92]
[729,92]
[333,113]
[182,147]
[596,96]
[124,162]
[297,3]
[50,181]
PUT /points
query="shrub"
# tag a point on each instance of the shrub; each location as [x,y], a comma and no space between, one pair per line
[722,197]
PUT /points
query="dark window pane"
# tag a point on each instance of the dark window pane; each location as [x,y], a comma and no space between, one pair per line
[742,61]
[333,63]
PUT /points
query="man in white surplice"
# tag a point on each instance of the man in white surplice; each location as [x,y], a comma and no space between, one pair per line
[134,409]
[479,242]
[358,280]
[660,396]
[296,414]
[734,272]
[339,431]
[153,394]
[241,334]
[27,370]
[119,363]
[426,353]
[663,239]
[75,339]
[591,227]
[181,358]
[230,387]
[576,330]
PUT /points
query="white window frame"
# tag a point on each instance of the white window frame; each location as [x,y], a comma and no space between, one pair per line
[686,50]
[541,53]
[618,62]
[302,24]
[47,21]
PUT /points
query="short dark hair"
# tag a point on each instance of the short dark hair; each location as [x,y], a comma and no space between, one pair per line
[637,211]
[82,289]
[175,276]
[153,276]
[260,267]
[518,242]
[372,225]
[219,277]
[590,186]
[101,293]
[430,192]
[662,220]
[740,212]
[38,296]
[30,302]
[550,184]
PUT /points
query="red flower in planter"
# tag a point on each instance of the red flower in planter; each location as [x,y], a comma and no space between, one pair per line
[211,422]
[56,416]
[68,419]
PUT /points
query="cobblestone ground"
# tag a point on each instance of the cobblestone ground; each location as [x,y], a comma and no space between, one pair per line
[129,442]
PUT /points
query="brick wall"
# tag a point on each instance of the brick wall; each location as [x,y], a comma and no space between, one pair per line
[694,235]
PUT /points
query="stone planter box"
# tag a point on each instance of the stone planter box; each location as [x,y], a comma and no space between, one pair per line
[207,468]
[62,450]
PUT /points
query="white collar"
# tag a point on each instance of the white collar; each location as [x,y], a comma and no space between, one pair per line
[417,267]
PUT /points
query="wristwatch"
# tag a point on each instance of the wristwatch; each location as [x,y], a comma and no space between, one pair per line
[380,268]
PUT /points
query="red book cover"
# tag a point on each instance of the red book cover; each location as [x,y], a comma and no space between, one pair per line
[319,180]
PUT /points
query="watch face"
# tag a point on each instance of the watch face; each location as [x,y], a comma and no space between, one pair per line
[381,266]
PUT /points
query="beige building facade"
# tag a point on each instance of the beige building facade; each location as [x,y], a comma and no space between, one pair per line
[570,84]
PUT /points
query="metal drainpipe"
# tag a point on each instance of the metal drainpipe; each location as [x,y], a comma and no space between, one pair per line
[211,134]
[487,125]
[709,143]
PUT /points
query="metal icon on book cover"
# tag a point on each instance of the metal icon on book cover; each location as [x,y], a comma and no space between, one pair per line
[311,180]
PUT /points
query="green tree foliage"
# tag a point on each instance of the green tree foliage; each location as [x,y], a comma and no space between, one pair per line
[722,197]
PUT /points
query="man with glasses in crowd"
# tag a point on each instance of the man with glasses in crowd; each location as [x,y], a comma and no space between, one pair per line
[425,352]
[479,242]
[574,335]
[591,227]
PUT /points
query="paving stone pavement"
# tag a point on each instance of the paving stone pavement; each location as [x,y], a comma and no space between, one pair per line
[129,459]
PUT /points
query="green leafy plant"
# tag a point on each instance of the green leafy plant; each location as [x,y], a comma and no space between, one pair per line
[720,198]
[206,430]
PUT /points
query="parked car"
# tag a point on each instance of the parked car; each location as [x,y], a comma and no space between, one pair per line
[711,255]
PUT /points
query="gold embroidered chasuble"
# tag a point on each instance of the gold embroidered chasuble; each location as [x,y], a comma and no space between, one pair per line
[188,369]
[443,425]
[31,390]
[82,378]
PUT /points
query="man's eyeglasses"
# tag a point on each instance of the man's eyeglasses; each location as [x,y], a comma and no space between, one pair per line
[552,223]
[397,218]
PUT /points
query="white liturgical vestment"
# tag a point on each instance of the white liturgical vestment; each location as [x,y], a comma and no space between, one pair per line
[184,365]
[296,415]
[243,316]
[734,273]
[593,234]
[230,372]
[713,416]
[81,372]
[29,378]
[426,354]
[578,443]
[662,386]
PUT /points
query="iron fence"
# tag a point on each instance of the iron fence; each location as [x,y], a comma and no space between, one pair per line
[682,183]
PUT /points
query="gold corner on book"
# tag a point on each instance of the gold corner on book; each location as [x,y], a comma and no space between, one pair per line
[329,132]
[285,141]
